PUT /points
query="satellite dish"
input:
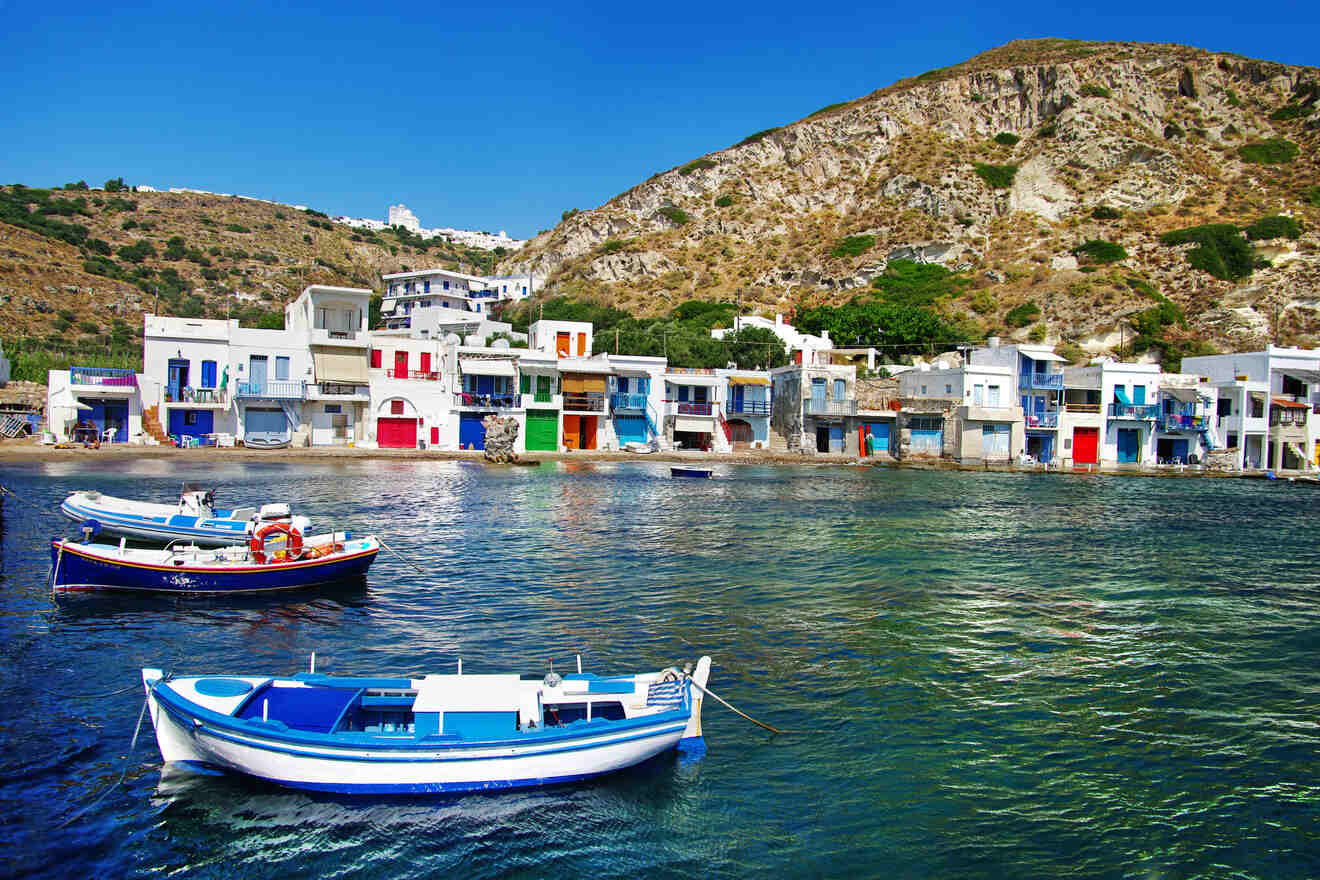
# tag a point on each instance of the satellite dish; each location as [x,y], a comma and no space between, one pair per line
[452,339]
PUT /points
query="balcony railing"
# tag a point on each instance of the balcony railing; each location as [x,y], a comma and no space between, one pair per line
[205,396]
[1044,381]
[104,376]
[687,408]
[1082,407]
[585,401]
[831,407]
[622,400]
[341,389]
[1178,422]
[1043,420]
[279,390]
[1134,411]
[749,407]
[401,373]
[503,400]
[543,397]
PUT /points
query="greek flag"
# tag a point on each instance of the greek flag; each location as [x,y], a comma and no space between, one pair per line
[666,693]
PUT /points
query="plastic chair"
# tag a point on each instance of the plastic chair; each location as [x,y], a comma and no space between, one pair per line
[108,435]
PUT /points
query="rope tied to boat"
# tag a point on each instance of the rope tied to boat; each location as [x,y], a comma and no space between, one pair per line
[123,773]
[708,692]
[405,560]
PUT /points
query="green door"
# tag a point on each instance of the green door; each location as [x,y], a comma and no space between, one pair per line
[542,430]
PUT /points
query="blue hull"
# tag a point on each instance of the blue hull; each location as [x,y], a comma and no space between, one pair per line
[75,570]
[695,473]
[202,531]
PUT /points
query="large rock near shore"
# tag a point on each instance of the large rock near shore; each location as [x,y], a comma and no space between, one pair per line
[501,437]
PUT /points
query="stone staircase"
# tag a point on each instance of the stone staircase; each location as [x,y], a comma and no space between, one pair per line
[151,426]
[777,441]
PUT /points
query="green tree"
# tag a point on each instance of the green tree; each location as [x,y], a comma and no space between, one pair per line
[755,348]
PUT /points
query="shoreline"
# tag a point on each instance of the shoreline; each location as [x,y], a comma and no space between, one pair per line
[24,451]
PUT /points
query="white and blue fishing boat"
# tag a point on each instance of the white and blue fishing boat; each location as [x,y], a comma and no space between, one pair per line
[194,518]
[439,733]
[276,558]
[698,473]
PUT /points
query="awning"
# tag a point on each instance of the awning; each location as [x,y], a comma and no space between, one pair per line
[1310,377]
[1121,396]
[692,379]
[350,369]
[1289,404]
[486,367]
[749,380]
[1045,356]
[577,383]
[695,424]
[387,307]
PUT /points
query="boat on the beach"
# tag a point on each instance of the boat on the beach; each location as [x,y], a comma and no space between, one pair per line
[699,473]
[439,733]
[287,563]
[195,518]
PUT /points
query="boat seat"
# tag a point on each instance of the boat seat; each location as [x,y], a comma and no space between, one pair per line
[600,686]
[242,513]
[313,709]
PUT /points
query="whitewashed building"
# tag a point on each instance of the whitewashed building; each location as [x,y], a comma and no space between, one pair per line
[987,424]
[1127,398]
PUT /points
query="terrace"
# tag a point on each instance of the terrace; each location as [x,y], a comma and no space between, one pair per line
[1040,381]
[749,407]
[623,401]
[817,407]
[1134,411]
[110,378]
[277,390]
[584,401]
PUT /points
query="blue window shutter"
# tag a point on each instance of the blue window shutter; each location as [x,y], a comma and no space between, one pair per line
[208,374]
[683,393]
[281,369]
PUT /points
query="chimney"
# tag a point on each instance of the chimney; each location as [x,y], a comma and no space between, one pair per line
[992,341]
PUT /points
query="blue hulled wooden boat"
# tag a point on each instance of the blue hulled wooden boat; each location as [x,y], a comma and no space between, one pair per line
[698,473]
[193,519]
[291,564]
[439,733]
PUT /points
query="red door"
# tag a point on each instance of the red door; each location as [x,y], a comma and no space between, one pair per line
[396,433]
[425,365]
[1086,445]
[401,365]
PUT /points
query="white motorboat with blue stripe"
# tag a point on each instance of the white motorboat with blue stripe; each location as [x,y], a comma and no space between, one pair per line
[194,518]
[439,733]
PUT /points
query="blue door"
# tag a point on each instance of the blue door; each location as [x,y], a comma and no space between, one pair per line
[818,394]
[1129,441]
[836,438]
[736,393]
[191,422]
[879,432]
[265,427]
[257,371]
[631,429]
[1179,451]
[178,378]
[471,432]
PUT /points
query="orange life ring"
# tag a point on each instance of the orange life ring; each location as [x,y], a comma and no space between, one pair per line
[292,548]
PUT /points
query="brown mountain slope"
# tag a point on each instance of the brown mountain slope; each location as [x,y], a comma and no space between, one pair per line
[1160,137]
[230,255]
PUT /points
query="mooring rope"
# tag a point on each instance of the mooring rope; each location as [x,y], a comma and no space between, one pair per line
[738,711]
[405,560]
[132,744]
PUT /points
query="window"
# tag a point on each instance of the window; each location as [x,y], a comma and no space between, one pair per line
[623,384]
[840,387]
[446,285]
[524,384]
[1138,395]
[190,417]
[504,289]
[426,287]
[208,374]
[923,389]
[992,395]
[1232,441]
[334,408]
[1257,407]
[978,395]
[281,369]
[1294,387]
[948,388]
[524,290]
[683,393]
[396,407]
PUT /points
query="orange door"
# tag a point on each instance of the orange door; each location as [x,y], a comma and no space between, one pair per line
[572,432]
[562,344]
[588,437]
[582,344]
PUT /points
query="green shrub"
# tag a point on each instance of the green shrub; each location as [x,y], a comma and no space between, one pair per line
[571,212]
[1275,151]
[724,201]
[1291,111]
[1037,334]
[697,165]
[215,251]
[828,107]
[128,224]
[1233,99]
[268,259]
[984,302]
[120,205]
[115,185]
[1048,129]
[1100,251]
[1007,139]
[1095,90]
[279,215]
[1312,196]
[755,138]
[307,239]
[977,97]
[1070,352]
[852,246]
[1173,130]
[236,227]
[1145,288]
[997,176]
[612,246]
[136,253]
[674,215]
[1104,212]
[1274,227]
[1221,250]
[1022,315]
[89,327]
[909,283]
[97,246]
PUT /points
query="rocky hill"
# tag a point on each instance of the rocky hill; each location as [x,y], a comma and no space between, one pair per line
[1075,184]
[79,267]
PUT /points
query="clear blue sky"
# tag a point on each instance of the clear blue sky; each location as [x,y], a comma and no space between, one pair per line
[494,116]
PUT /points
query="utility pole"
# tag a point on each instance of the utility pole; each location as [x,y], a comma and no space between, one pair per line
[616,340]
[155,289]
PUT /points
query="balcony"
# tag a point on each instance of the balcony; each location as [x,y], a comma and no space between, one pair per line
[1040,381]
[1180,422]
[688,408]
[424,375]
[1042,420]
[817,407]
[584,401]
[749,407]
[107,378]
[339,391]
[623,401]
[196,398]
[503,400]
[339,338]
[1134,411]
[278,390]
[1084,408]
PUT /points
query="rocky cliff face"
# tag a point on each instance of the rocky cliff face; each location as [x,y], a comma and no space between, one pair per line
[1152,134]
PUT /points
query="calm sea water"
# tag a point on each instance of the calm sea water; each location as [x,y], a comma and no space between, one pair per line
[1003,675]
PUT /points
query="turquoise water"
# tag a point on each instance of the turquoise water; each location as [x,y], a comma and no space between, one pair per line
[1002,675]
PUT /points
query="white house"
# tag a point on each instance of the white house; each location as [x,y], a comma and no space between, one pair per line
[1127,398]
[803,348]
[1037,380]
[988,423]
[747,402]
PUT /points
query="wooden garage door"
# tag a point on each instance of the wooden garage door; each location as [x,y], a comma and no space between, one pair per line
[542,430]
[396,433]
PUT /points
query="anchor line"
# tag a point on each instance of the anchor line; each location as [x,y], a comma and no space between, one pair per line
[738,711]
[123,773]
[405,560]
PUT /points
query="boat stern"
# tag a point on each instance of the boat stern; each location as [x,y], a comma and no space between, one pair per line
[692,737]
